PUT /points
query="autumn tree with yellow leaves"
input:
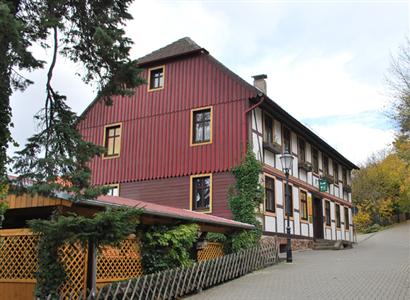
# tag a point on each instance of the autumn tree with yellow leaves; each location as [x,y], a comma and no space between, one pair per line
[381,187]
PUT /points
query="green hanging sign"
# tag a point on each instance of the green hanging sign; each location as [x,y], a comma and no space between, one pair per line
[323,185]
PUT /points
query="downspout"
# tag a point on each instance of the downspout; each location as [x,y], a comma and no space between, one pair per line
[245,123]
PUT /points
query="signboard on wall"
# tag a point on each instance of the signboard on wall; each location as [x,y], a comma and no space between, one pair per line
[323,185]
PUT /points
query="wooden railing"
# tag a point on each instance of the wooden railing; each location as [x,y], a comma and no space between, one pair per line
[178,282]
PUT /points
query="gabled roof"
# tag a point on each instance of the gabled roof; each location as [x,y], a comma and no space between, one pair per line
[181,47]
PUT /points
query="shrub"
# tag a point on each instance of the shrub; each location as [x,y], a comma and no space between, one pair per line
[166,247]
[373,228]
[362,220]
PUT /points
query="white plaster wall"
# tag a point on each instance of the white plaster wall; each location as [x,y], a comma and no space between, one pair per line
[303,175]
[296,219]
[296,215]
[256,145]
[295,192]
[328,233]
[279,216]
[337,191]
[293,142]
[305,229]
[295,167]
[257,114]
[311,230]
[270,158]
[279,191]
[270,224]
[278,163]
[316,181]
[333,217]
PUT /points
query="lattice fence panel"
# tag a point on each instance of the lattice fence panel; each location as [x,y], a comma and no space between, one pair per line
[74,258]
[212,250]
[119,263]
[18,257]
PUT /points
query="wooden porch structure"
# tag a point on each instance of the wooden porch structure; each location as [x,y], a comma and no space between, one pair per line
[18,246]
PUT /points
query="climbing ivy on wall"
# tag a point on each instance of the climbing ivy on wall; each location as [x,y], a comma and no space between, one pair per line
[166,247]
[244,201]
[109,227]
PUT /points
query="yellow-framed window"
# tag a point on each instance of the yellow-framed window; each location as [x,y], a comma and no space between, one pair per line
[201,193]
[156,78]
[201,126]
[112,140]
[303,205]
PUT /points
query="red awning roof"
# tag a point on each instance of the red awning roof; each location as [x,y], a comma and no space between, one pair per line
[170,212]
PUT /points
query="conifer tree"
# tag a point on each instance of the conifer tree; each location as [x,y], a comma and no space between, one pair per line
[88,32]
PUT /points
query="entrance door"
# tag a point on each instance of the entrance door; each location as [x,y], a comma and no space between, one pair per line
[317,218]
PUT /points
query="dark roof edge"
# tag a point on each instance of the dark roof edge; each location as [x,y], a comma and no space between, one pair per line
[101,204]
[173,57]
[294,123]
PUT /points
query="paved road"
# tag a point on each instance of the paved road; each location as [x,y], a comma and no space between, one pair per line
[377,268]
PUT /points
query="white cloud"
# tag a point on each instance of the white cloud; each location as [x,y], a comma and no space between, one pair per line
[312,87]
[311,57]
[354,140]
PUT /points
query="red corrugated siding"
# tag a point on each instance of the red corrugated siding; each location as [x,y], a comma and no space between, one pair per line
[156,125]
[175,192]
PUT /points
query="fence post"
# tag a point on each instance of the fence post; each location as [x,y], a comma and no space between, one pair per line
[92,269]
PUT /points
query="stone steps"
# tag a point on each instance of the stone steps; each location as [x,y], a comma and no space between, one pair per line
[331,245]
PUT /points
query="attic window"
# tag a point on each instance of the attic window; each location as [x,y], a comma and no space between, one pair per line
[156,78]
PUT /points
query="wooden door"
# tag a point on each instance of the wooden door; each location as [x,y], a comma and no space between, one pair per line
[317,218]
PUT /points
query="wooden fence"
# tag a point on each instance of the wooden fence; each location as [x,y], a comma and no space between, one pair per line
[18,263]
[178,282]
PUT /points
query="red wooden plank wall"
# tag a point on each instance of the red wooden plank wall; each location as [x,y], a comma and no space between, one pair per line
[156,125]
[175,192]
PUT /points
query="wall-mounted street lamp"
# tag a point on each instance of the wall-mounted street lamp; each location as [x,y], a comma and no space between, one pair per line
[286,160]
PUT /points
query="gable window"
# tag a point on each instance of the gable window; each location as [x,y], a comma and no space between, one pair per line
[336,172]
[270,194]
[201,193]
[347,221]
[268,129]
[290,200]
[202,126]
[315,160]
[303,205]
[337,215]
[112,140]
[114,190]
[301,150]
[325,165]
[156,78]
[327,213]
[286,140]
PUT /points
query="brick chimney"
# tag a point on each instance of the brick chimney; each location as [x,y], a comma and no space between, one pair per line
[260,83]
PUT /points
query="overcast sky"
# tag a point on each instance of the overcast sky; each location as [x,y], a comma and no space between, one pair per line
[326,61]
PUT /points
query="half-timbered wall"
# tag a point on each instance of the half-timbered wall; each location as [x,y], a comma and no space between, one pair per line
[276,222]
